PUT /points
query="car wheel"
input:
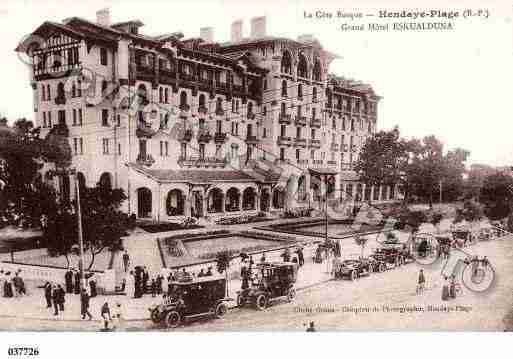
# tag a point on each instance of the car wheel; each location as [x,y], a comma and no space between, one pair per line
[221,310]
[240,300]
[291,295]
[261,302]
[155,316]
[172,319]
[353,275]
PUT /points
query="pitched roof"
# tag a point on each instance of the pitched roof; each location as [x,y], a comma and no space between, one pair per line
[193,176]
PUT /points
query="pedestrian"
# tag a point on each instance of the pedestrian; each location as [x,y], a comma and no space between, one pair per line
[61,297]
[311,328]
[55,298]
[445,289]
[201,273]
[145,280]
[8,292]
[130,284]
[452,287]
[105,314]
[17,285]
[263,259]
[77,282]
[300,256]
[421,282]
[153,288]
[118,317]
[21,284]
[84,305]
[126,260]
[159,284]
[68,279]
[92,287]
[48,294]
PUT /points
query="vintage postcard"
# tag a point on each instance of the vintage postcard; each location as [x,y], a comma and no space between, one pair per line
[304,166]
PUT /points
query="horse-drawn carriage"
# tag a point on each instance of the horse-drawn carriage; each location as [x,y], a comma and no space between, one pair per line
[275,281]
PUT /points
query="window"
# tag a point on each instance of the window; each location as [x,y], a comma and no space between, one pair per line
[79,88]
[49,118]
[43,93]
[162,148]
[264,134]
[166,95]
[75,145]
[118,120]
[236,129]
[298,132]
[161,95]
[183,99]
[282,154]
[105,117]
[300,92]
[80,117]
[142,148]
[61,117]
[250,108]
[264,111]
[48,93]
[119,148]
[314,94]
[219,126]
[299,112]
[44,120]
[313,133]
[202,151]
[283,130]
[105,146]
[103,56]
[74,117]
[81,146]
[312,154]
[314,112]
[73,90]
[298,154]
[284,88]
[166,145]
[183,150]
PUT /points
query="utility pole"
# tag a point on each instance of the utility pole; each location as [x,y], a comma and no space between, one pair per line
[80,236]
[440,191]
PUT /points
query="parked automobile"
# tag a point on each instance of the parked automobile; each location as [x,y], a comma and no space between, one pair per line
[354,268]
[275,280]
[199,297]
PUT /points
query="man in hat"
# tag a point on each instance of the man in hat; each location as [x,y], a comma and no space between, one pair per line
[84,305]
[55,298]
[48,294]
[68,279]
[61,297]
[126,260]
[209,272]
[77,282]
[311,328]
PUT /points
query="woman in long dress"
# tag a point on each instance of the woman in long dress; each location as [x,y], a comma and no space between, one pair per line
[445,290]
[130,285]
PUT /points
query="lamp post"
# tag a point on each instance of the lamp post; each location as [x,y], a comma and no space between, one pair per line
[80,235]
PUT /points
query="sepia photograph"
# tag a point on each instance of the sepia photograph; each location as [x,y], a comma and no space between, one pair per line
[232,166]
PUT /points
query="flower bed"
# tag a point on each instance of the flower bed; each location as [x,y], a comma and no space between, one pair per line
[242,219]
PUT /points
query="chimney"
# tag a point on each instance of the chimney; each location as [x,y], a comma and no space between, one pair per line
[236,31]
[103,17]
[258,27]
[207,34]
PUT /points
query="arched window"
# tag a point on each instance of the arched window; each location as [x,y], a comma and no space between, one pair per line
[232,200]
[175,203]
[250,108]
[284,88]
[142,95]
[248,199]
[106,180]
[317,72]
[302,67]
[201,101]
[300,91]
[215,201]
[314,94]
[286,63]
[183,101]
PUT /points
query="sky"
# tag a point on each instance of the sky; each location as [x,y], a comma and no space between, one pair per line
[454,84]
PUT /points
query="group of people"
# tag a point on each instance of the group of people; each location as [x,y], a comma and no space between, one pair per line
[72,282]
[113,316]
[12,285]
[450,288]
[55,297]
[296,257]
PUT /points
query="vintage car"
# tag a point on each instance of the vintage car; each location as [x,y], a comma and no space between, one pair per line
[275,280]
[199,297]
[391,255]
[354,268]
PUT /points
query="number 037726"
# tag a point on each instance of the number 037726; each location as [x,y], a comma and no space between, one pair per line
[22,351]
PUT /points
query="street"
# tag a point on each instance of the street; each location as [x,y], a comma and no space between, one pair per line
[383,301]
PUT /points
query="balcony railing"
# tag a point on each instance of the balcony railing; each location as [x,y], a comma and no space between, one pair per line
[145,159]
[184,110]
[198,161]
[202,110]
[300,142]
[284,118]
[334,147]
[315,143]
[315,122]
[204,136]
[184,135]
[332,163]
[252,140]
[346,166]
[300,121]
[302,162]
[220,137]
[317,162]
[284,141]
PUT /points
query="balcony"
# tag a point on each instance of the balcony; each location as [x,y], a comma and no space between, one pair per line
[300,121]
[144,130]
[251,140]
[220,137]
[145,159]
[317,162]
[284,141]
[315,122]
[204,136]
[302,162]
[346,166]
[300,142]
[315,143]
[185,110]
[184,135]
[284,118]
[196,161]
[334,147]
[219,112]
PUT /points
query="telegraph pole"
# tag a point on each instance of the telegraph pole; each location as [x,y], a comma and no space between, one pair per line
[80,236]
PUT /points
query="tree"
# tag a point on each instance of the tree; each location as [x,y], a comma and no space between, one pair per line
[382,159]
[223,259]
[103,224]
[497,195]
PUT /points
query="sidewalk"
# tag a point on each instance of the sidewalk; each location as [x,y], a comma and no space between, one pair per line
[33,306]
